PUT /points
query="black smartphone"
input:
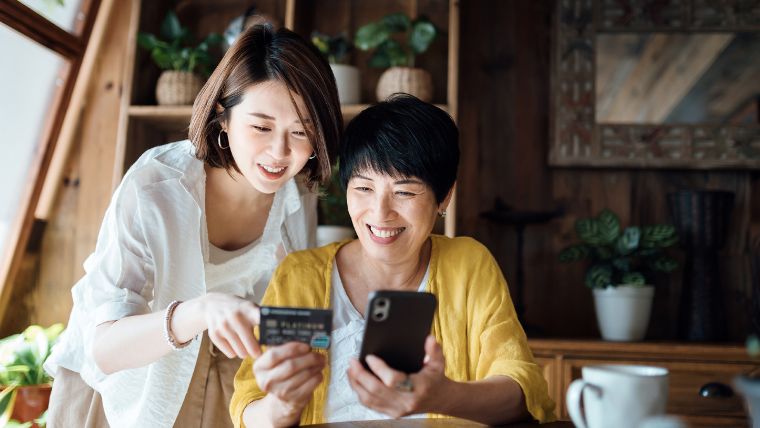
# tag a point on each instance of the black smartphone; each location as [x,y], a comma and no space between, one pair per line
[397,324]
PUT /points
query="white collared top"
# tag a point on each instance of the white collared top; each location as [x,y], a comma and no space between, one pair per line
[152,249]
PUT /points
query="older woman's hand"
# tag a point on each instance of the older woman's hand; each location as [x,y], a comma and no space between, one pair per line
[397,394]
[290,372]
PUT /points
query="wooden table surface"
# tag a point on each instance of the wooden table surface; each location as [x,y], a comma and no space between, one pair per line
[433,423]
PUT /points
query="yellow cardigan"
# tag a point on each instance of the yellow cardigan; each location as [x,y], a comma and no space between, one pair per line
[475,322]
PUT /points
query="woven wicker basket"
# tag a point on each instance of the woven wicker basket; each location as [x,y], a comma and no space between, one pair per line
[176,88]
[414,81]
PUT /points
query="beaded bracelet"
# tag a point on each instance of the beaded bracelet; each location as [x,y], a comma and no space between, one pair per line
[168,328]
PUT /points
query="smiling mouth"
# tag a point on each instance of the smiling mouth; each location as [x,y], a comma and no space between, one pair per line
[270,171]
[385,232]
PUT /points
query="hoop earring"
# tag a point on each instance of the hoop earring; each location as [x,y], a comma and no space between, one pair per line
[219,141]
[442,214]
[313,156]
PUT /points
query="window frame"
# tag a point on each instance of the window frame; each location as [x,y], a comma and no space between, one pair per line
[71,47]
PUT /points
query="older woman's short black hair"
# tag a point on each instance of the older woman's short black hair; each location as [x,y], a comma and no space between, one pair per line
[403,137]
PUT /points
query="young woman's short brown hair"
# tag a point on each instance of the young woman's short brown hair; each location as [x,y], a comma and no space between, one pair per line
[259,55]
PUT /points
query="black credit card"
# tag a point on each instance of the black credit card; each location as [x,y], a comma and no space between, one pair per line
[281,325]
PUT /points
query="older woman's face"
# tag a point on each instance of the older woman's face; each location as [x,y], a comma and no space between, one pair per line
[393,216]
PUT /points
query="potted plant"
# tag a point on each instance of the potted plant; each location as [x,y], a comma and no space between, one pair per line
[749,384]
[332,216]
[336,49]
[181,63]
[622,262]
[413,37]
[25,384]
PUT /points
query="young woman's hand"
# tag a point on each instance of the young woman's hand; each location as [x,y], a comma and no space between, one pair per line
[230,321]
[397,394]
[290,373]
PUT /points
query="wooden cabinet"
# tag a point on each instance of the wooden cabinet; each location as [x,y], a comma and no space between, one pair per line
[691,367]
[143,124]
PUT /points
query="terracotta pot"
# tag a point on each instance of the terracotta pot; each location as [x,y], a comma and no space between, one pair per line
[175,88]
[31,401]
[413,81]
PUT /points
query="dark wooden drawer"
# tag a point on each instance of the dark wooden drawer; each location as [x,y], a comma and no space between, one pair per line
[686,379]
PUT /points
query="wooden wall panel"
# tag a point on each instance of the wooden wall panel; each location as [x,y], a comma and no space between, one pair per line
[504,120]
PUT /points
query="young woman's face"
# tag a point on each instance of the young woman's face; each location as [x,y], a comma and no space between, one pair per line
[392,216]
[269,143]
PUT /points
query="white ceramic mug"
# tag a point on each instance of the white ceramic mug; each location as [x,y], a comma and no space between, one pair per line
[620,396]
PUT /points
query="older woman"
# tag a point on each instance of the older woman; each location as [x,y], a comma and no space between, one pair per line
[399,164]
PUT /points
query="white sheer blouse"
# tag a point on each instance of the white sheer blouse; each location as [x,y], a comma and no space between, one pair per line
[152,249]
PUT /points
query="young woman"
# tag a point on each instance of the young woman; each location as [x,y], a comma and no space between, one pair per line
[188,245]
[398,163]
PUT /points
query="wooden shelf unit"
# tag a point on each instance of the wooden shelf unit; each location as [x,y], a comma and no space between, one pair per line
[143,125]
[690,367]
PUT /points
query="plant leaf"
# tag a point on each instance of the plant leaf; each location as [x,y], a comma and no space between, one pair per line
[147,41]
[664,264]
[380,59]
[609,226]
[7,401]
[633,278]
[54,332]
[599,276]
[603,252]
[396,54]
[753,346]
[622,264]
[396,22]
[574,253]
[422,35]
[371,36]
[658,236]
[628,241]
[171,28]
[588,230]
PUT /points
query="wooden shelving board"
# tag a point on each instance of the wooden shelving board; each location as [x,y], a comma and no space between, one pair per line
[178,116]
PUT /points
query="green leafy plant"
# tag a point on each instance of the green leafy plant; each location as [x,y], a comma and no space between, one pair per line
[753,346]
[334,48]
[618,256]
[333,209]
[175,51]
[413,37]
[21,359]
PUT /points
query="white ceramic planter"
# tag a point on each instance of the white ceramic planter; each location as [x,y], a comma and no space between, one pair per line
[623,311]
[750,388]
[330,234]
[347,80]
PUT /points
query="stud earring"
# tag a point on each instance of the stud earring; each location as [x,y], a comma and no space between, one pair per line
[219,141]
[442,213]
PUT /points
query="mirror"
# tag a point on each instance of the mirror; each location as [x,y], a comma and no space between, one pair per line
[710,78]
[655,84]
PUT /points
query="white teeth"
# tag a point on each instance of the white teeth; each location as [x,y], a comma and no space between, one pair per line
[385,233]
[272,169]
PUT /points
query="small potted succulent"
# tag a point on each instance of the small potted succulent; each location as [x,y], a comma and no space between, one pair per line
[396,40]
[184,66]
[25,384]
[332,216]
[622,265]
[336,49]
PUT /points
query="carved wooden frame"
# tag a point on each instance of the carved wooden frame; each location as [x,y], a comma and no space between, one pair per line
[577,141]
